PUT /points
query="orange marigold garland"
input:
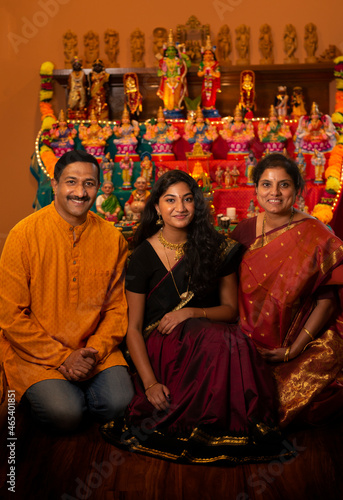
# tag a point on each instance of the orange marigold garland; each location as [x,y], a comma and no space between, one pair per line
[333,174]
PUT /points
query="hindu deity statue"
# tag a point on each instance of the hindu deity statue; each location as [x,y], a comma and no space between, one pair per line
[126,165]
[161,136]
[107,166]
[91,48]
[94,138]
[99,90]
[111,39]
[70,48]
[301,162]
[77,88]
[297,103]
[201,131]
[173,67]
[243,45]
[265,45]
[290,42]
[311,42]
[318,161]
[107,204]
[237,132]
[281,102]
[209,70]
[224,45]
[137,45]
[274,133]
[62,136]
[146,169]
[126,135]
[316,132]
[250,163]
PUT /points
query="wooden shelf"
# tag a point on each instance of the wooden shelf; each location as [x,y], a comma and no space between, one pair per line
[313,78]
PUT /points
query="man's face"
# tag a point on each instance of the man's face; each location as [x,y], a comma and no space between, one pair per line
[75,192]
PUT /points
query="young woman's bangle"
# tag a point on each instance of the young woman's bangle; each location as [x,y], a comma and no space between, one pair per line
[150,386]
[285,358]
[308,333]
[205,314]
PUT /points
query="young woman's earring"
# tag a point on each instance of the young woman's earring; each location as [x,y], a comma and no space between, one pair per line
[159,221]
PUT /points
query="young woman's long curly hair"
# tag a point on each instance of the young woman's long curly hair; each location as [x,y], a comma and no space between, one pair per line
[202,249]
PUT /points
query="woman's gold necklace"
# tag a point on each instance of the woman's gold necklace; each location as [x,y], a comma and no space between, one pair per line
[184,295]
[178,247]
[263,224]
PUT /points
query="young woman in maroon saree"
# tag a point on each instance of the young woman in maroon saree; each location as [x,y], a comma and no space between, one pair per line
[203,392]
[291,277]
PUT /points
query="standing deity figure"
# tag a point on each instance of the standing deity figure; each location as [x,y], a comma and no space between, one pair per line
[137,46]
[126,165]
[243,44]
[159,41]
[237,132]
[111,39]
[318,161]
[265,45]
[70,49]
[290,44]
[146,169]
[281,102]
[297,103]
[209,70]
[62,136]
[77,88]
[301,162]
[91,48]
[94,138]
[173,69]
[200,132]
[224,44]
[133,97]
[107,166]
[219,175]
[250,163]
[274,133]
[99,89]
[317,132]
[311,43]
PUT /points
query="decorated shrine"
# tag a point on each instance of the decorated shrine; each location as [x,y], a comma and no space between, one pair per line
[219,147]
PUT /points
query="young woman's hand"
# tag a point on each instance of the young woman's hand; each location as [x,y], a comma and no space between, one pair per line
[159,396]
[172,319]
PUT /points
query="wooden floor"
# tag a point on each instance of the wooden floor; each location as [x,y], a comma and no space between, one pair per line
[84,466]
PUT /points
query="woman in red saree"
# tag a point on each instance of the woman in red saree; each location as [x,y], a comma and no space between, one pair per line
[203,392]
[289,294]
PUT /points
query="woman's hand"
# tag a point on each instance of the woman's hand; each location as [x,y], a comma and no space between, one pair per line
[172,319]
[158,395]
[275,355]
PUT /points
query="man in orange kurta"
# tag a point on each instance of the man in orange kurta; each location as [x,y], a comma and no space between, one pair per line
[63,311]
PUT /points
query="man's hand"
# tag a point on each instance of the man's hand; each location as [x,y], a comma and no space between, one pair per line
[79,364]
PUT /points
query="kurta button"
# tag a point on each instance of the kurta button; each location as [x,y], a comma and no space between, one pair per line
[71,228]
[74,262]
[74,279]
[74,245]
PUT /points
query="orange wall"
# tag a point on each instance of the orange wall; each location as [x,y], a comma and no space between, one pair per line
[31,33]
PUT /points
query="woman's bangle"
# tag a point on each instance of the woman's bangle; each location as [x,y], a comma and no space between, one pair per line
[150,386]
[205,314]
[285,358]
[308,333]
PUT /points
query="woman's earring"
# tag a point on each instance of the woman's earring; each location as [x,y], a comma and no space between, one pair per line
[159,221]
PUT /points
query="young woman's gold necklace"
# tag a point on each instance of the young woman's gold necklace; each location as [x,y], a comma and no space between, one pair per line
[184,295]
[178,247]
[264,220]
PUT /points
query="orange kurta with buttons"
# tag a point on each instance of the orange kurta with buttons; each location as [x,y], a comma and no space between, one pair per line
[61,288]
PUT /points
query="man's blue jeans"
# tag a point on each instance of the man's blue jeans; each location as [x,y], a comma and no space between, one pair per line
[61,404]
